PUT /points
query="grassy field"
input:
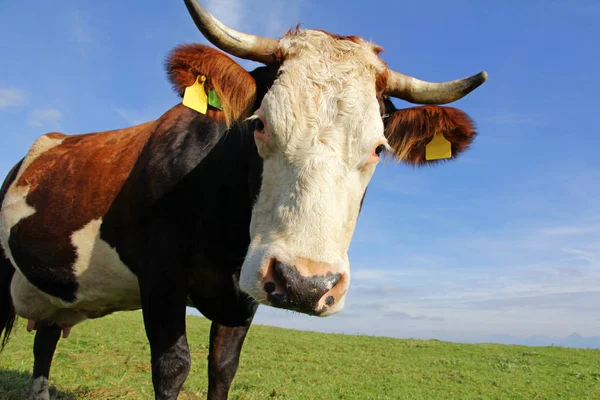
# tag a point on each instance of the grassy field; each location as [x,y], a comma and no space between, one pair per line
[108,359]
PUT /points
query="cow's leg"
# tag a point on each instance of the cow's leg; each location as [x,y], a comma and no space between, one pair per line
[223,358]
[164,319]
[164,296]
[44,345]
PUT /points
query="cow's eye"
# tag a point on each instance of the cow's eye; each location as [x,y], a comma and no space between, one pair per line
[258,125]
[379,149]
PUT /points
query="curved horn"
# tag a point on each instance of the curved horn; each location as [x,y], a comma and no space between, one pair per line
[420,92]
[243,45]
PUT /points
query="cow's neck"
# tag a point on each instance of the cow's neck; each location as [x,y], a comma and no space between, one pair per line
[204,175]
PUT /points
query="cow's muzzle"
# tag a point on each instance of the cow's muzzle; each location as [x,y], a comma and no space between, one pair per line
[304,286]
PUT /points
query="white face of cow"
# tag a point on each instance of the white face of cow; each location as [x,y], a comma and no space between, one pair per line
[320,137]
[320,132]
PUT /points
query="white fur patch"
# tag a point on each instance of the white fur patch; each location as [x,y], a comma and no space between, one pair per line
[15,207]
[33,304]
[40,389]
[105,284]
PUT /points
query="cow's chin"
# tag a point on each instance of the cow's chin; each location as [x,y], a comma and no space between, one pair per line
[295,284]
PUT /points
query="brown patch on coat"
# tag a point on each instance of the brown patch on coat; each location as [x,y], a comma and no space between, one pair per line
[409,130]
[72,184]
[234,85]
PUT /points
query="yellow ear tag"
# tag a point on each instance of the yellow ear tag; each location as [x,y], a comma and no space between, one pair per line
[195,97]
[438,148]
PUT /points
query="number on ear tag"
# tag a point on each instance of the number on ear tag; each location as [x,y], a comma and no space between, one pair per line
[195,97]
[439,148]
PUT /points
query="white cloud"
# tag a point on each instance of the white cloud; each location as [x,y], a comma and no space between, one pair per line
[533,268]
[11,97]
[572,230]
[523,281]
[279,16]
[44,117]
[132,117]
[270,18]
[229,12]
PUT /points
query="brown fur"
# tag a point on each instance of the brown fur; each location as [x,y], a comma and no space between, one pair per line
[409,130]
[74,183]
[293,31]
[233,84]
[381,84]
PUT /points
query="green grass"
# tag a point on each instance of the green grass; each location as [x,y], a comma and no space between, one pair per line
[109,359]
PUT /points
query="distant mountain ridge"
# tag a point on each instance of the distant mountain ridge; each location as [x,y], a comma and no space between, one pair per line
[574,340]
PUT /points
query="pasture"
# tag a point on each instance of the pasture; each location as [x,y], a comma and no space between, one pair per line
[109,359]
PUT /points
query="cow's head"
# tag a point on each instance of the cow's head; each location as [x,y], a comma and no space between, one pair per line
[321,129]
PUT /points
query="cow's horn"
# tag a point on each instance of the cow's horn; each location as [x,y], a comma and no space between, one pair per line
[243,45]
[420,92]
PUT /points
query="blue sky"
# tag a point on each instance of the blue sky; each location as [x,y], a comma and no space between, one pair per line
[504,240]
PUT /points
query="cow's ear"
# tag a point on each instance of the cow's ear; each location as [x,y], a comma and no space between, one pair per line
[409,130]
[235,87]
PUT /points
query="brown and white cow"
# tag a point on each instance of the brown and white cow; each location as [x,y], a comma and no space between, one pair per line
[189,209]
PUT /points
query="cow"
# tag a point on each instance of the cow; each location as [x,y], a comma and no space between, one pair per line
[249,198]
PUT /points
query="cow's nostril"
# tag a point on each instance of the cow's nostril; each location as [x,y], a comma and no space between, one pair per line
[270,287]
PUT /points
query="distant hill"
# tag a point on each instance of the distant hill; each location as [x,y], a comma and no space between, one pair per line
[574,340]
